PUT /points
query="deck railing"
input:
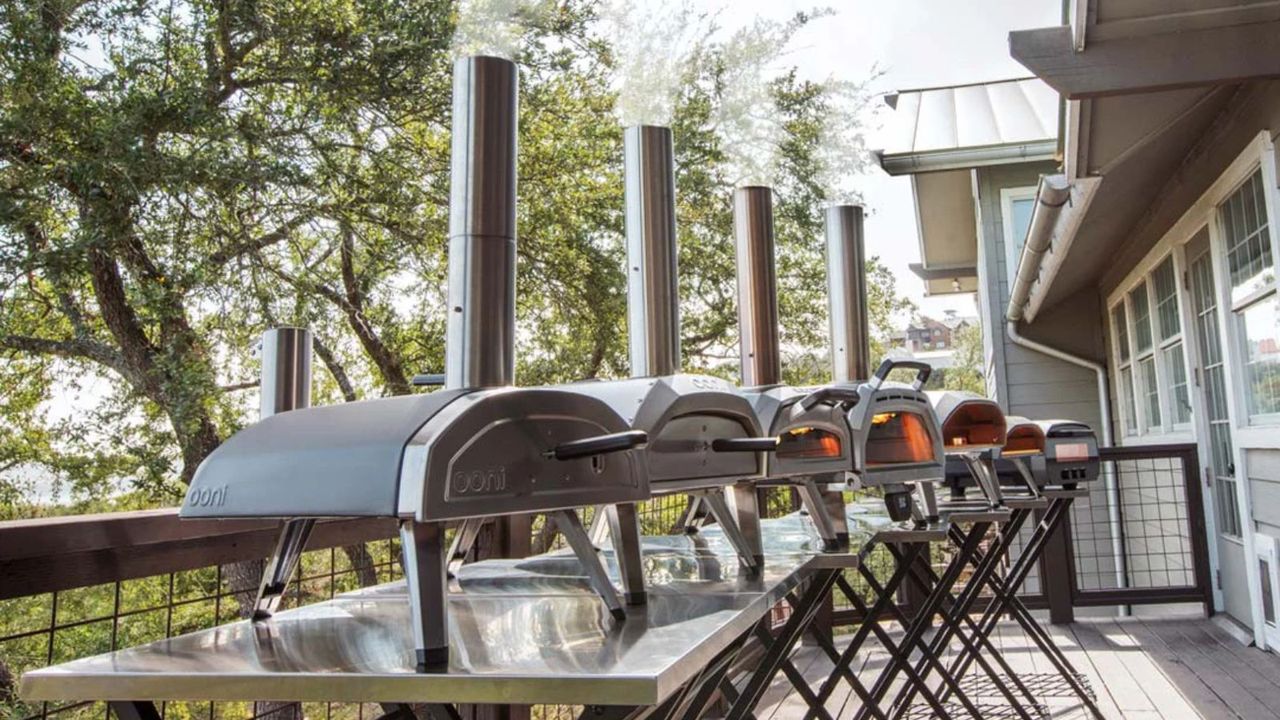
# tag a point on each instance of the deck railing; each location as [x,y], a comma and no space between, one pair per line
[76,586]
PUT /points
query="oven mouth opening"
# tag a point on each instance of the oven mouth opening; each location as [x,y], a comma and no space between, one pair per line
[974,425]
[808,443]
[1023,441]
[898,438]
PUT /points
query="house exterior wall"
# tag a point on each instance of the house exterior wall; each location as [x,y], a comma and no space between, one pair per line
[1025,382]
[1264,484]
[1185,215]
[1254,109]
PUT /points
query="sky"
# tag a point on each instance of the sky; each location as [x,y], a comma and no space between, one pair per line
[914,44]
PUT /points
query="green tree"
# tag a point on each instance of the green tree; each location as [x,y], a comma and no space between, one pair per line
[967,371]
[179,176]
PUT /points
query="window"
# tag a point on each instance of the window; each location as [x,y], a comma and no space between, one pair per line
[1260,332]
[1248,242]
[1251,270]
[1268,600]
[1165,281]
[1120,327]
[1151,391]
[1150,358]
[1130,409]
[1122,332]
[1204,303]
[1180,396]
[1016,206]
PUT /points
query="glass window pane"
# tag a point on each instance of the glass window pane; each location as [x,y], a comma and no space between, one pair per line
[1268,599]
[1022,209]
[1228,514]
[1150,392]
[1260,332]
[1248,242]
[1175,367]
[1165,282]
[1130,408]
[1141,318]
[1122,331]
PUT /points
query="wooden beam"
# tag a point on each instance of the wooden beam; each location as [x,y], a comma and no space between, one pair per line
[1168,61]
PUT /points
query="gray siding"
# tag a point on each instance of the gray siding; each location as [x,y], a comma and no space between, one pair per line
[1024,382]
[1264,484]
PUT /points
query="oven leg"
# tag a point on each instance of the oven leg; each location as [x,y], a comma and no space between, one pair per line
[815,504]
[834,500]
[135,710]
[464,539]
[1028,479]
[928,500]
[281,566]
[740,522]
[426,571]
[570,526]
[624,530]
[599,530]
[693,517]
[986,479]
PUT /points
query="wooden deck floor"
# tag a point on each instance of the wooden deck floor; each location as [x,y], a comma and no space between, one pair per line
[1140,668]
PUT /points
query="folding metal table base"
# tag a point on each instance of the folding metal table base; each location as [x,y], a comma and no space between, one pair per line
[884,606]
[1006,601]
[1004,590]
[914,639]
[958,623]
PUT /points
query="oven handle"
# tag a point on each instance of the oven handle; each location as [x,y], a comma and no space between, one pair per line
[598,445]
[829,394]
[923,370]
[760,444]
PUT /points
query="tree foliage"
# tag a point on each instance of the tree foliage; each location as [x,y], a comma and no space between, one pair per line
[178,176]
[967,371]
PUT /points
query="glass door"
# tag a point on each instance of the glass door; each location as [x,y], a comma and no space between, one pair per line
[1216,445]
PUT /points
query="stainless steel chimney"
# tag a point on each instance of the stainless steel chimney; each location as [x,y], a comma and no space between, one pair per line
[285,384]
[480,346]
[757,286]
[653,292]
[286,370]
[847,294]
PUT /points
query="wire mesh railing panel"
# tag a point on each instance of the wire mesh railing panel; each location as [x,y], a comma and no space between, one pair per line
[51,628]
[1096,537]
[1136,533]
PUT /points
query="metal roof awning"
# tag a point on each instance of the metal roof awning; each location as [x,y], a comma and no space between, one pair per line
[966,126]
[942,134]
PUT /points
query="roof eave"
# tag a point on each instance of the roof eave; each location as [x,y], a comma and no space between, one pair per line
[910,163]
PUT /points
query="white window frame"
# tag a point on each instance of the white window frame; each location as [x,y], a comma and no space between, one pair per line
[1165,345]
[1012,256]
[1260,152]
[1264,423]
[1126,407]
[1122,299]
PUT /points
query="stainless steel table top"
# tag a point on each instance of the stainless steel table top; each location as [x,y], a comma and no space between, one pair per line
[521,631]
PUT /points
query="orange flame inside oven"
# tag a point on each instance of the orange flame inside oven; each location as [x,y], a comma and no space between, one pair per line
[898,438]
[808,442]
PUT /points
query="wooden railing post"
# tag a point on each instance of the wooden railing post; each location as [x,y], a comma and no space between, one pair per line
[1057,569]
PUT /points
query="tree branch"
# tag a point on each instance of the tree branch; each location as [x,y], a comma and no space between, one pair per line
[335,368]
[225,255]
[73,349]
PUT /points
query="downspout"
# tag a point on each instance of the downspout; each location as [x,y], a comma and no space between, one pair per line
[1053,194]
